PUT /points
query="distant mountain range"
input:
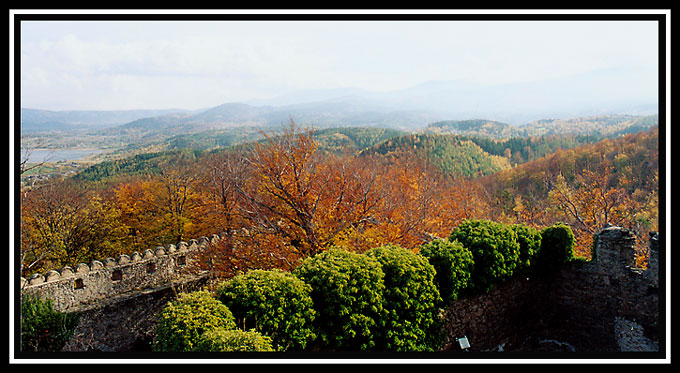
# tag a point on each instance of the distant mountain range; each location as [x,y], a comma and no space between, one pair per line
[48,120]
[593,93]
[613,91]
[324,114]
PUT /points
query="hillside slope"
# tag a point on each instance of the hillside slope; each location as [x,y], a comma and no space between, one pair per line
[603,126]
[453,155]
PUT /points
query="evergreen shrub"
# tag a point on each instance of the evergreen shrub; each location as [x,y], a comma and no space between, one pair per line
[494,249]
[529,240]
[233,340]
[42,328]
[557,248]
[410,299]
[274,303]
[453,264]
[347,290]
[184,320]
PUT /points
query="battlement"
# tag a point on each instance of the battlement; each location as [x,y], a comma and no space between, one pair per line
[76,289]
[615,254]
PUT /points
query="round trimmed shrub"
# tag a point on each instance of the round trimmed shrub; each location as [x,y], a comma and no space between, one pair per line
[557,248]
[347,291]
[453,264]
[494,249]
[410,299]
[183,321]
[233,340]
[274,303]
[529,240]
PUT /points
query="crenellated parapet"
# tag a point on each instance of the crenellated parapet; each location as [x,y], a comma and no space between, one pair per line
[77,288]
[615,255]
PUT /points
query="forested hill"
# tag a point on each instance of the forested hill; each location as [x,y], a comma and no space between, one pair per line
[465,156]
[633,161]
[475,127]
[603,126]
[614,181]
[353,139]
[191,148]
[453,155]
[524,142]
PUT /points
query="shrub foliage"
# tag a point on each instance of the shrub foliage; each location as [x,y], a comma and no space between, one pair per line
[557,248]
[386,299]
[42,328]
[410,301]
[274,303]
[494,248]
[529,240]
[183,321]
[453,264]
[347,291]
[233,340]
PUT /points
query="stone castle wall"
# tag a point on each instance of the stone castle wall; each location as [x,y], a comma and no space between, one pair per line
[75,289]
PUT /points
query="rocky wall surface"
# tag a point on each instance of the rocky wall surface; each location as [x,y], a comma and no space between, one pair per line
[126,323]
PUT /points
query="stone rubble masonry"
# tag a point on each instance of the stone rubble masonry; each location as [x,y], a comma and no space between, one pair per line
[83,287]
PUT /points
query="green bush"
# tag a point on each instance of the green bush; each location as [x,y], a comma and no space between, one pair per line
[529,240]
[274,303]
[494,249]
[453,264]
[410,300]
[42,328]
[347,291]
[557,248]
[224,340]
[183,321]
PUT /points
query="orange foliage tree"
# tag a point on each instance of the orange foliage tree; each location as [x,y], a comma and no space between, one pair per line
[63,224]
[162,210]
[281,200]
[593,201]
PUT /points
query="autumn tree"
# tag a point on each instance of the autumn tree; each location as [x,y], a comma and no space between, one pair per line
[162,209]
[221,178]
[593,201]
[412,192]
[63,224]
[289,183]
[465,199]
[301,199]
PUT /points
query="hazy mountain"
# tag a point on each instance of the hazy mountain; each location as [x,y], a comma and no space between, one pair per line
[599,92]
[611,91]
[319,114]
[49,120]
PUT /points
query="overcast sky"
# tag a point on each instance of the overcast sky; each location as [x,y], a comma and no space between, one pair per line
[95,65]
